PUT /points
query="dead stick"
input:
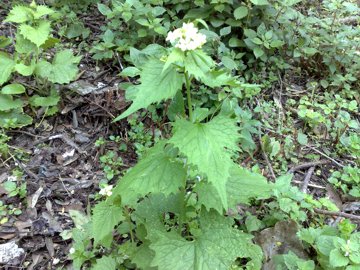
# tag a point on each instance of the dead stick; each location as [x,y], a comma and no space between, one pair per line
[338,214]
[324,155]
[307,179]
[308,164]
[309,185]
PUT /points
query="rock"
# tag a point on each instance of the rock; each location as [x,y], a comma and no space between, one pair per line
[83,87]
[279,240]
[80,138]
[9,252]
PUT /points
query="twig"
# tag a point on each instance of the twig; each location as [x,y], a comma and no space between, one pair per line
[338,214]
[307,179]
[75,121]
[121,66]
[325,155]
[266,157]
[101,107]
[100,75]
[307,165]
[118,58]
[23,167]
[26,133]
[62,182]
[309,185]
[65,138]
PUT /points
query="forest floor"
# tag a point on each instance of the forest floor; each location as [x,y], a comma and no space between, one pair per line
[57,159]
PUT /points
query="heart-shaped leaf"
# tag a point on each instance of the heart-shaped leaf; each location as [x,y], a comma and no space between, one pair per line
[13,89]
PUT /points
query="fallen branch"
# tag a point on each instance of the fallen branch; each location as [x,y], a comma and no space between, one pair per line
[325,155]
[64,138]
[309,185]
[308,164]
[307,179]
[338,214]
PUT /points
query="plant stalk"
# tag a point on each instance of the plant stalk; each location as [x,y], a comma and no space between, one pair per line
[128,219]
[182,215]
[188,94]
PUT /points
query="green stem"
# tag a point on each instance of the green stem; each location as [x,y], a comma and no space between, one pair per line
[182,215]
[128,219]
[188,93]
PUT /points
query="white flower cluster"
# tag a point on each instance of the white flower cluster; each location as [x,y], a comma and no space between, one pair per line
[106,191]
[186,38]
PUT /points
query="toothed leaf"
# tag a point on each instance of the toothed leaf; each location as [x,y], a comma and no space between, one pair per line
[156,85]
[38,34]
[105,217]
[217,247]
[156,172]
[209,146]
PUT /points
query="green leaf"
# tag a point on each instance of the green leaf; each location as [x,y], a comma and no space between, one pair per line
[258,52]
[151,210]
[177,107]
[252,223]
[38,101]
[19,14]
[105,263]
[293,262]
[130,72]
[229,62]
[242,186]
[209,146]
[156,85]
[37,35]
[325,244]
[80,219]
[199,114]
[7,103]
[77,29]
[50,43]
[156,172]
[337,259]
[4,42]
[14,119]
[235,42]
[310,51]
[250,33]
[41,11]
[302,138]
[217,78]
[143,257]
[24,69]
[257,41]
[13,89]
[240,12]
[62,70]
[225,31]
[218,246]
[23,45]
[6,67]
[105,217]
[176,55]
[309,235]
[9,186]
[276,43]
[259,2]
[104,10]
[198,63]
